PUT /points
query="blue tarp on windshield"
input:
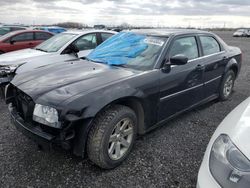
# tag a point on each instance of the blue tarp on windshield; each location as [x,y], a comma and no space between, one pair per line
[119,49]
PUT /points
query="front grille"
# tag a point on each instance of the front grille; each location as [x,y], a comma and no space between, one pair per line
[24,105]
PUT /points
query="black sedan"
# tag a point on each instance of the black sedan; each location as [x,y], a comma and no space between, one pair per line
[131,84]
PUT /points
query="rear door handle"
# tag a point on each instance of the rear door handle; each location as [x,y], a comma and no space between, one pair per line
[200,67]
[31,43]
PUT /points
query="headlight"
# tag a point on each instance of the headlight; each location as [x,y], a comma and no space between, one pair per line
[8,69]
[228,165]
[46,115]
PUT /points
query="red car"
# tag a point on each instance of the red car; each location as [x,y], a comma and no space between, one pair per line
[18,40]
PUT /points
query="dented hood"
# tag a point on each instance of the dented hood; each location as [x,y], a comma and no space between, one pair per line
[61,81]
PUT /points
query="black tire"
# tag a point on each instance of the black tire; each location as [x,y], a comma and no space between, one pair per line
[1,52]
[100,134]
[223,95]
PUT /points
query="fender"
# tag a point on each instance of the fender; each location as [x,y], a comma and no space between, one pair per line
[96,101]
[232,64]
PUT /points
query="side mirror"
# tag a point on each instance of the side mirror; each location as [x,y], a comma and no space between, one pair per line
[71,49]
[12,42]
[178,60]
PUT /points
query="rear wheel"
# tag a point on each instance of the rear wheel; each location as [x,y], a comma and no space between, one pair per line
[112,136]
[227,84]
[1,52]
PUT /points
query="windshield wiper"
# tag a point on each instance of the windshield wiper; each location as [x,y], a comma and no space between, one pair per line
[41,49]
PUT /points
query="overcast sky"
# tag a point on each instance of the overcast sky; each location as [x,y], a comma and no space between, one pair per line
[195,13]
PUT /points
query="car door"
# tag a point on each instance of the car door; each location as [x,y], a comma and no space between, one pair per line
[21,41]
[214,59]
[86,44]
[182,86]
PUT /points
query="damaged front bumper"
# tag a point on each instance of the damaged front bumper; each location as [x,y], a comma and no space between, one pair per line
[37,134]
[3,82]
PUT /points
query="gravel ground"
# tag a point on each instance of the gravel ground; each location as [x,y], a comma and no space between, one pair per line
[169,156]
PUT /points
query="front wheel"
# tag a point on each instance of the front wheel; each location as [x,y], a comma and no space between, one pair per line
[1,52]
[227,85]
[112,136]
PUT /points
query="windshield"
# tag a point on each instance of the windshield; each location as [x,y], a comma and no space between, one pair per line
[241,30]
[4,30]
[56,42]
[130,50]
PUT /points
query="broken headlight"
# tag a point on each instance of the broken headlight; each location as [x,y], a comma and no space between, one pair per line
[46,115]
[228,165]
[8,69]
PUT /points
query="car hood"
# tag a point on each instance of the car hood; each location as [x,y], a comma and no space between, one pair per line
[237,126]
[60,81]
[20,56]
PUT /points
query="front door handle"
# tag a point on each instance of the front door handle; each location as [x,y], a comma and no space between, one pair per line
[200,67]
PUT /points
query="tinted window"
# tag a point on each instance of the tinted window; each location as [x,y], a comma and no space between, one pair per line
[209,45]
[185,46]
[23,37]
[86,42]
[105,36]
[42,36]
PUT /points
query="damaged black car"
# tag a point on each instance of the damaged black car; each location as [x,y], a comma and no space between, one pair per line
[132,83]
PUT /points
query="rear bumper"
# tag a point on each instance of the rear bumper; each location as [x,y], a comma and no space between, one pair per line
[33,132]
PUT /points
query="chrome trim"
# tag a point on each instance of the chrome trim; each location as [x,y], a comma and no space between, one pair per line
[180,92]
[206,56]
[212,80]
[183,91]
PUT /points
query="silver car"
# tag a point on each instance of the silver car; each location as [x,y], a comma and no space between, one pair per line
[66,46]
[227,159]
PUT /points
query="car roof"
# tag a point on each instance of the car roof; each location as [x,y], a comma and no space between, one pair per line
[81,32]
[27,31]
[168,32]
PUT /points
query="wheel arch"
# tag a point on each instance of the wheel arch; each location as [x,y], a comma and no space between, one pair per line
[232,65]
[85,125]
[135,104]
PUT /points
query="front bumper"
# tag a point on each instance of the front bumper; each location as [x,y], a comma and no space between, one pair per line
[35,133]
[3,82]
[205,178]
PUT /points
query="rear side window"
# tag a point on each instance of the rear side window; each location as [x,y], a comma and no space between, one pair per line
[42,36]
[209,45]
[105,36]
[185,46]
[23,37]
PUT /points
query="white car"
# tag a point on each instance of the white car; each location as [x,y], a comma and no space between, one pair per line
[56,49]
[242,33]
[227,159]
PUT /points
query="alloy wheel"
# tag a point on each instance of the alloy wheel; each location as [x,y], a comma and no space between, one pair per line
[121,138]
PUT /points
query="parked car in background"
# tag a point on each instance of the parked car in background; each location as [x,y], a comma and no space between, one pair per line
[52,29]
[18,40]
[62,47]
[129,85]
[6,29]
[227,159]
[99,27]
[242,33]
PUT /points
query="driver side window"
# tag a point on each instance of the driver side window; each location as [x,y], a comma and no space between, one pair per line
[86,42]
[186,46]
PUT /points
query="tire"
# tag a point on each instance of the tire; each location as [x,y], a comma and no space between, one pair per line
[1,52]
[227,84]
[106,137]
